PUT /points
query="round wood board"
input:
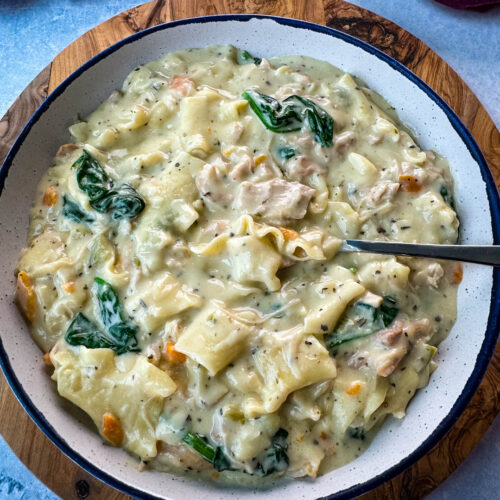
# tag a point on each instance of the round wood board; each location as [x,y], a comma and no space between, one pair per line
[57,471]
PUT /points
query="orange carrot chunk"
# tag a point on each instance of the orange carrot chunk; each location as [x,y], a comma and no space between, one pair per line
[182,84]
[112,429]
[289,234]
[69,286]
[410,183]
[46,359]
[173,356]
[354,388]
[25,295]
[457,273]
[50,196]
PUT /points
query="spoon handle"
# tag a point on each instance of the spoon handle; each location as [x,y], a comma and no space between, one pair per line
[478,254]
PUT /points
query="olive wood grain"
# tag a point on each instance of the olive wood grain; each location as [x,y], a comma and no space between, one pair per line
[57,471]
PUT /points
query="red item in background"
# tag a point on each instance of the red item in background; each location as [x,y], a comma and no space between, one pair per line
[467,4]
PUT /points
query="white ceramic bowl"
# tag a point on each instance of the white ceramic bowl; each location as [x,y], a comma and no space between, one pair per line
[463,356]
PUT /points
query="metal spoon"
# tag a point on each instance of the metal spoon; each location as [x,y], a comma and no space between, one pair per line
[478,254]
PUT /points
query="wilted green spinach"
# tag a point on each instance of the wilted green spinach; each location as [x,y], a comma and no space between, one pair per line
[244,57]
[122,202]
[119,333]
[72,210]
[290,114]
[362,320]
[274,459]
[211,454]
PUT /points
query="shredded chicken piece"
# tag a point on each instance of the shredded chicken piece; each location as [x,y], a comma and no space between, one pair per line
[382,192]
[300,166]
[430,275]
[407,169]
[65,149]
[241,170]
[343,141]
[359,359]
[215,228]
[390,335]
[388,363]
[400,337]
[211,187]
[276,201]
[419,329]
[288,90]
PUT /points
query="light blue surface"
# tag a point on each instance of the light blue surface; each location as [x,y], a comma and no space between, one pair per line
[16,481]
[32,32]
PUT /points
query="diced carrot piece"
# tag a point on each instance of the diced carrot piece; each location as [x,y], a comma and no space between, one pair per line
[289,234]
[410,183]
[46,359]
[68,286]
[173,356]
[354,388]
[260,159]
[50,196]
[112,429]
[25,295]
[457,273]
[182,84]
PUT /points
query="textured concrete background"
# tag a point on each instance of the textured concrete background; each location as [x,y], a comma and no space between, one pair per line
[32,32]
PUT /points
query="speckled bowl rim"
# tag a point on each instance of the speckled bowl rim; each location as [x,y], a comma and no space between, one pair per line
[491,335]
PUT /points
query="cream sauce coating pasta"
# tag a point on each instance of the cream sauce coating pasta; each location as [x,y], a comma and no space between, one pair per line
[182,267]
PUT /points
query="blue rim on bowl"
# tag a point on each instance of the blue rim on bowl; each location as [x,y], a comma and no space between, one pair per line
[491,334]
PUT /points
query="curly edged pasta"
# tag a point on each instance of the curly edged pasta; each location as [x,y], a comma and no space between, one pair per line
[182,268]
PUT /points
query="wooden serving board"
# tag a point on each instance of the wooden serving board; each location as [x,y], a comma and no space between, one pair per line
[57,471]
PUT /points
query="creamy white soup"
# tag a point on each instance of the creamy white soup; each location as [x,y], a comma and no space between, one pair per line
[183,275]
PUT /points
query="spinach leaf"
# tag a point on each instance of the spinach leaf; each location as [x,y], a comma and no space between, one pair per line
[362,320]
[213,455]
[119,334]
[199,444]
[122,202]
[286,152]
[72,210]
[447,197]
[277,307]
[388,310]
[320,122]
[244,57]
[275,458]
[290,115]
[357,433]
[359,321]
[272,114]
[91,177]
[221,462]
[111,311]
[84,332]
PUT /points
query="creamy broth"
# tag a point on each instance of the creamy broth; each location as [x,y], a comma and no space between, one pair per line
[182,268]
